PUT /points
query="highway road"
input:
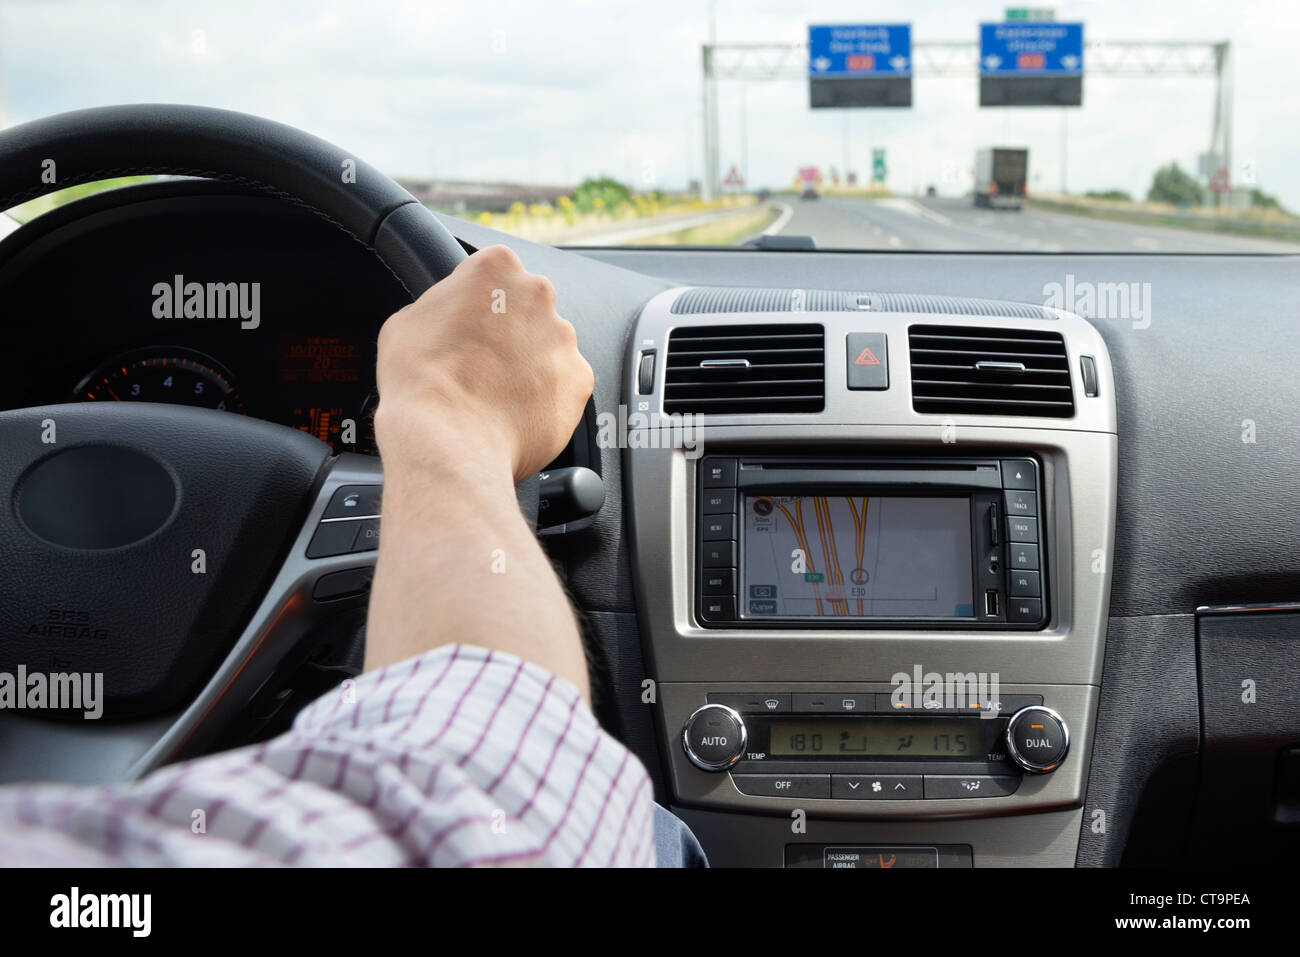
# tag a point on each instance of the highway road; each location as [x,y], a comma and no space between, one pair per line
[957,225]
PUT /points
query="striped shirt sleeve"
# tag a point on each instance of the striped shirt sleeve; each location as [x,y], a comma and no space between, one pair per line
[460,757]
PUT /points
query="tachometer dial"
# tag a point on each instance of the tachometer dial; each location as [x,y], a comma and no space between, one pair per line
[177,377]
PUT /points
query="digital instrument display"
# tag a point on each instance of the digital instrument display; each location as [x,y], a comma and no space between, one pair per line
[331,360]
[876,738]
[859,556]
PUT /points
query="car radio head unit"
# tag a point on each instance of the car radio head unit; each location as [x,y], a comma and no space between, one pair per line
[860,543]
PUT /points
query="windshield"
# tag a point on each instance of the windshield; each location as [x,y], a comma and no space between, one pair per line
[1117,127]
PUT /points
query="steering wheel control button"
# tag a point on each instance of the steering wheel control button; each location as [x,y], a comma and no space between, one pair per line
[954,786]
[367,535]
[332,538]
[1019,473]
[868,360]
[1037,739]
[876,787]
[714,737]
[719,473]
[345,584]
[354,501]
[784,785]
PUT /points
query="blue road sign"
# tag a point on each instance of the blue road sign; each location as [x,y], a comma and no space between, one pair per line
[864,50]
[1031,49]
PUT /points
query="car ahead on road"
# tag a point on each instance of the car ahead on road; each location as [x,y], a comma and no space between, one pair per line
[927,541]
[1001,177]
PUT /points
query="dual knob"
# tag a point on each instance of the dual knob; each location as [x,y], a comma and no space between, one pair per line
[1037,739]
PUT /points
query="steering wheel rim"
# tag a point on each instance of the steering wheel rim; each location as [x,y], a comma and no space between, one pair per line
[83,146]
[87,145]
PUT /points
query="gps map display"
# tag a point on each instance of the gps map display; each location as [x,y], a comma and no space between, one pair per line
[809,556]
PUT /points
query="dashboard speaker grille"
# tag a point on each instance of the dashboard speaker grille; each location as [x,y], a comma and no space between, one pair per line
[990,371]
[703,300]
[955,306]
[736,370]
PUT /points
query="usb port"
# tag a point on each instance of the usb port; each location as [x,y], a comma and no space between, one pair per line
[991,602]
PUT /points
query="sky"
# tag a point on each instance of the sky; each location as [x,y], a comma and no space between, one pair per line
[551,91]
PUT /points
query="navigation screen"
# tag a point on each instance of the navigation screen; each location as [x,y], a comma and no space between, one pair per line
[827,556]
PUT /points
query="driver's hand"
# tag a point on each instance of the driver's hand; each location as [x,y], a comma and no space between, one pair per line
[481,367]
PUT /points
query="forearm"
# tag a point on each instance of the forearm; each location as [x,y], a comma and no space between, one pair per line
[458,563]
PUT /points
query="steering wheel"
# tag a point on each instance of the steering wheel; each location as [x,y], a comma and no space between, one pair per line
[183,553]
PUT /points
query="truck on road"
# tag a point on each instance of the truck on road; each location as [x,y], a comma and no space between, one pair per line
[1000,177]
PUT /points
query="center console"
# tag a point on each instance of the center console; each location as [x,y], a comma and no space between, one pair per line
[873,603]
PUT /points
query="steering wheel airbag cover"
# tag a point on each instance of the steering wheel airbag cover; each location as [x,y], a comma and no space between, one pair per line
[154,615]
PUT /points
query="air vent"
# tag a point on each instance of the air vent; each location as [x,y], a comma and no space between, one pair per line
[734,370]
[990,371]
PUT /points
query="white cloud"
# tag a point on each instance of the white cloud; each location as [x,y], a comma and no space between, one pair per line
[552,90]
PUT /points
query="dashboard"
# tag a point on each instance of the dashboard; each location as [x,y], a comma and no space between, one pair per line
[1161,570]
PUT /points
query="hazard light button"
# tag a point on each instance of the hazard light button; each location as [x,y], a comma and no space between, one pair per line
[868,360]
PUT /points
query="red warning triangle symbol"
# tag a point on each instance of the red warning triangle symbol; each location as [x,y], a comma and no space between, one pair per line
[866,358]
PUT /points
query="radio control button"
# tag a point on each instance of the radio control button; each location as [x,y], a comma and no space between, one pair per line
[718,581]
[1021,503]
[1023,556]
[718,554]
[719,528]
[714,737]
[719,473]
[1037,739]
[752,702]
[841,702]
[1018,529]
[1024,609]
[718,609]
[1019,473]
[876,787]
[949,786]
[354,501]
[722,501]
[1023,584]
[784,785]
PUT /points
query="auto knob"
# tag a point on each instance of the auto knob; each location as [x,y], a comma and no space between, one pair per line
[1037,739]
[714,737]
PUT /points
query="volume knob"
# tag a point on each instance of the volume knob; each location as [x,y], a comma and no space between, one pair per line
[714,737]
[1037,739]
